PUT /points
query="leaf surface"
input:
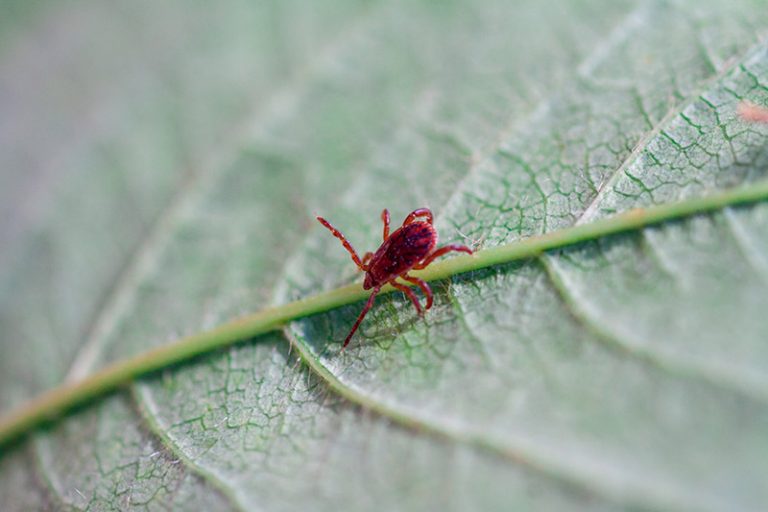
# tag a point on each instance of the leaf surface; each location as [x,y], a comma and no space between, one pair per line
[624,373]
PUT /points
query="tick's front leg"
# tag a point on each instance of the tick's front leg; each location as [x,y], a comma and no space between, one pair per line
[385,220]
[415,214]
[344,242]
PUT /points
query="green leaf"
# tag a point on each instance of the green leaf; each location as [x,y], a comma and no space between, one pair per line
[162,178]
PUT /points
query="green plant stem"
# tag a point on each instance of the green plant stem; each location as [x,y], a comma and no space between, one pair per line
[52,404]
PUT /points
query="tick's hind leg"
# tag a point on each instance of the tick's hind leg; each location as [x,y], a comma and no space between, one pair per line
[361,316]
[439,252]
[407,290]
[424,288]
[415,214]
[345,243]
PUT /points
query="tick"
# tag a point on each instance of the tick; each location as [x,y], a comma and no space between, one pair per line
[412,246]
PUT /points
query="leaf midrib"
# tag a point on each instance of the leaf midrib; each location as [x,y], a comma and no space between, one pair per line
[646,353]
[53,403]
[648,356]
[120,289]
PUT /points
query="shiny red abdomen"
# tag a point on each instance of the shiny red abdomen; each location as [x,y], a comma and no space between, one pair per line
[403,249]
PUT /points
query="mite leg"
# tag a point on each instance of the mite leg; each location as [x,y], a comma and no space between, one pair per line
[345,243]
[407,290]
[361,316]
[439,252]
[415,214]
[424,288]
[367,258]
[385,220]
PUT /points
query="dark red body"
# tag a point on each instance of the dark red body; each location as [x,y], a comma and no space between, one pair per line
[403,249]
[410,247]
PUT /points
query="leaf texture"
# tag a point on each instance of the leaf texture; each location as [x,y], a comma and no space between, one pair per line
[625,373]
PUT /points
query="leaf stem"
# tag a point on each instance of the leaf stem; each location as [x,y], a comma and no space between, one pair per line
[53,403]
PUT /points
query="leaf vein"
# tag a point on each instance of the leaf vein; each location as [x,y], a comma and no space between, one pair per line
[667,361]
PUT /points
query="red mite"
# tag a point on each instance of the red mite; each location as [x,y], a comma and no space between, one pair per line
[411,246]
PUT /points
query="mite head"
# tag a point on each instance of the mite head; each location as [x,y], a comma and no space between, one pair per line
[368,283]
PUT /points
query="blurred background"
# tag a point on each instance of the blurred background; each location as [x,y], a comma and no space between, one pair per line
[161,164]
[115,116]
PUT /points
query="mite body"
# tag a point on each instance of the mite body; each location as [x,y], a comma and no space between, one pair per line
[411,246]
[400,252]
